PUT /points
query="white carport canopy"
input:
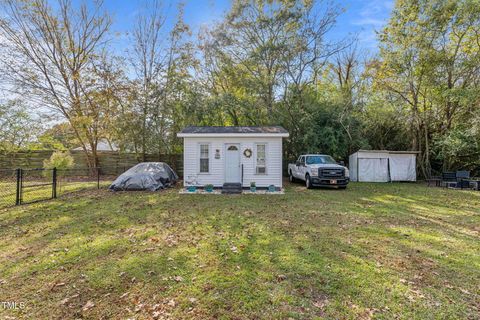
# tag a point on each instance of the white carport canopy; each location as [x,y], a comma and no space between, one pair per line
[383,166]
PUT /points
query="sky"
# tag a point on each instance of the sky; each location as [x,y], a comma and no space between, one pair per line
[360,19]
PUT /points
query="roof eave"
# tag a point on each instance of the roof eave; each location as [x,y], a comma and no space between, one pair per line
[389,151]
[233,135]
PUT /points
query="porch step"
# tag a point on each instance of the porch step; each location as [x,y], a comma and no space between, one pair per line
[232,188]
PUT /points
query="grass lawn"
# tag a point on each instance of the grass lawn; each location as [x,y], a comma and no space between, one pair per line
[8,190]
[372,251]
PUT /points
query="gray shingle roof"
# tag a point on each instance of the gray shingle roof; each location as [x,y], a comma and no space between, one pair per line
[218,129]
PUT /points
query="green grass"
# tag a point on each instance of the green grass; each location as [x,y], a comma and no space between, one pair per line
[380,251]
[8,190]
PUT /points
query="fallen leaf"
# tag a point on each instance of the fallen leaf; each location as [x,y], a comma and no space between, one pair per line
[281,277]
[57,284]
[321,302]
[89,305]
[465,291]
[139,307]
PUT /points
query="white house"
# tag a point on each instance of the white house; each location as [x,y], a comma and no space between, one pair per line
[383,166]
[233,155]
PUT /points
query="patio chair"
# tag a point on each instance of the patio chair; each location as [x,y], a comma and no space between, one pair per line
[449,179]
[435,180]
[475,183]
[463,179]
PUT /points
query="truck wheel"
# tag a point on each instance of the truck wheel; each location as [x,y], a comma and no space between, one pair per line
[291,178]
[308,182]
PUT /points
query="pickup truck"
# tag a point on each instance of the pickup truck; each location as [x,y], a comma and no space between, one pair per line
[319,170]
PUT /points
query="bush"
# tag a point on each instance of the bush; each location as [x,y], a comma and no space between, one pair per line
[59,159]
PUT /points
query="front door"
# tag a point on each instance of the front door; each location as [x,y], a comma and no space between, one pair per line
[232,163]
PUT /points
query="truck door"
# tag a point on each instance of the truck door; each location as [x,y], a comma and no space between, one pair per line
[296,171]
[302,168]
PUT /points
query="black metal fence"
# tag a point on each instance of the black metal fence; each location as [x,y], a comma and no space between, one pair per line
[22,186]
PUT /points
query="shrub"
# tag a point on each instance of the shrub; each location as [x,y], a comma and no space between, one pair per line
[59,159]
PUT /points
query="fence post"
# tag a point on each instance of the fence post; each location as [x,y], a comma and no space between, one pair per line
[98,178]
[54,183]
[18,198]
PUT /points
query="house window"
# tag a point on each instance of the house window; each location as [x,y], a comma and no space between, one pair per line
[204,159]
[261,167]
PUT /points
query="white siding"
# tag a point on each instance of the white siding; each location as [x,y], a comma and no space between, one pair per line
[216,175]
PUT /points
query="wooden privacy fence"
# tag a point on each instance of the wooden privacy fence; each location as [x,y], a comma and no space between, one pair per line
[114,161]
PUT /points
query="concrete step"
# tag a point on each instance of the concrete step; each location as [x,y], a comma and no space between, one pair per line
[232,188]
[232,184]
[231,191]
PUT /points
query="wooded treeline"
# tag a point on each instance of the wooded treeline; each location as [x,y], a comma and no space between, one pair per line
[264,63]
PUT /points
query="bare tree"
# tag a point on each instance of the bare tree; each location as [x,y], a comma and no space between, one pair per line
[162,60]
[51,60]
[147,59]
[346,70]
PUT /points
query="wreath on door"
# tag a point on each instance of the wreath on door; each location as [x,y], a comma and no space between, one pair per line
[247,153]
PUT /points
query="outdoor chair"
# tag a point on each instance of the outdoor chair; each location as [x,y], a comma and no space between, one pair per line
[463,179]
[449,179]
[475,184]
[435,180]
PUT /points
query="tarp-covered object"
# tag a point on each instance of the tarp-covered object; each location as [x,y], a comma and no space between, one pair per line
[402,167]
[383,166]
[150,176]
[373,170]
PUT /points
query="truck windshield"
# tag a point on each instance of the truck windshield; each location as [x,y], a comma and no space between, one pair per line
[320,160]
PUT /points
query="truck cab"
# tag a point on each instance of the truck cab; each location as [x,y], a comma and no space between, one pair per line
[319,170]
